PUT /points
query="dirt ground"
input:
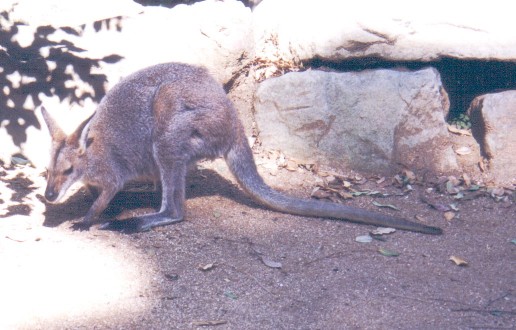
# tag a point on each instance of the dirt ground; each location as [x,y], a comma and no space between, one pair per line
[234,265]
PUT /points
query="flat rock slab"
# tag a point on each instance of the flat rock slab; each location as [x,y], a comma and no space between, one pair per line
[392,30]
[374,120]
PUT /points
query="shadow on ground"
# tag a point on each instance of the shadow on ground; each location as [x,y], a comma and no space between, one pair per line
[126,204]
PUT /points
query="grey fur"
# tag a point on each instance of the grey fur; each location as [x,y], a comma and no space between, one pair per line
[151,126]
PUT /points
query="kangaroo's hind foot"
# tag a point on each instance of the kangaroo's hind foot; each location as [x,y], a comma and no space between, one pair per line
[141,223]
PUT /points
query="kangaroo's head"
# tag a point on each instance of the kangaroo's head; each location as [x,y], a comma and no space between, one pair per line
[68,158]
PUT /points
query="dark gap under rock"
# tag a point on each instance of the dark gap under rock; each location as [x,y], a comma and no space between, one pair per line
[463,79]
[173,3]
[166,3]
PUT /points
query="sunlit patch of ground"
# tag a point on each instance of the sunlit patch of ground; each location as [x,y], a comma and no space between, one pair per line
[55,278]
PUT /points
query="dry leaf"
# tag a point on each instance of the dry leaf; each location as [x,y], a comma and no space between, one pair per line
[449,215]
[291,165]
[453,180]
[323,174]
[208,323]
[435,204]
[271,263]
[383,231]
[455,130]
[420,218]
[206,267]
[319,193]
[452,185]
[411,177]
[458,261]
[388,253]
[466,179]
[497,192]
[346,184]
[345,195]
[462,151]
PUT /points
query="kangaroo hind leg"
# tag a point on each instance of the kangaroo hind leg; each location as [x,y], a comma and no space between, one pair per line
[172,203]
[172,152]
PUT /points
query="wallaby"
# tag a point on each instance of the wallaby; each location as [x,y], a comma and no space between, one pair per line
[151,126]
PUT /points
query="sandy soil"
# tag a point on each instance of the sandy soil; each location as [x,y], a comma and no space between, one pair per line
[235,265]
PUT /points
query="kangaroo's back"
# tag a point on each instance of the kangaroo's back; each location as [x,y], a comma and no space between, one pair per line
[125,120]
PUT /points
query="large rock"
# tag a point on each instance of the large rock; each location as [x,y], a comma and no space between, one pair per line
[372,120]
[291,30]
[493,118]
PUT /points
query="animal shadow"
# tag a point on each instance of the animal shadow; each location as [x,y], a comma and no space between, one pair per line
[128,204]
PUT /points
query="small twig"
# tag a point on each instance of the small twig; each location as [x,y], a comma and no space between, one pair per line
[15,240]
[251,277]
[430,300]
[208,323]
[335,255]
[492,301]
[494,312]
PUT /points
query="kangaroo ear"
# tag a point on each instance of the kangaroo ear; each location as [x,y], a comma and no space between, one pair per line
[56,132]
[79,137]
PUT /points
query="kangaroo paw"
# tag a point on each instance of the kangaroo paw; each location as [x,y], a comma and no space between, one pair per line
[81,226]
[139,224]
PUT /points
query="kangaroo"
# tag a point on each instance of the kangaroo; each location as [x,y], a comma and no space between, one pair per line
[151,126]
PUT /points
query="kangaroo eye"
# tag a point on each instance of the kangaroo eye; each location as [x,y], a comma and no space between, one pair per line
[68,171]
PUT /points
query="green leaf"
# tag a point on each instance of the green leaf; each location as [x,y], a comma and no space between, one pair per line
[388,253]
[231,295]
[364,239]
[19,160]
[375,203]
[459,196]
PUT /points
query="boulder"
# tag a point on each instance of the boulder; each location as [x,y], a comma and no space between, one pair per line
[375,120]
[493,119]
[293,30]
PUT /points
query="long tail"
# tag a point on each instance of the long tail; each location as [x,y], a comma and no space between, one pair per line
[241,163]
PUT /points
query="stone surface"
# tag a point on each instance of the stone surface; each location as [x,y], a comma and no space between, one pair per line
[493,118]
[373,120]
[392,30]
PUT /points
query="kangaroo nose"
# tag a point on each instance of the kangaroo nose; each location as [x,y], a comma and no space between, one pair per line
[50,195]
